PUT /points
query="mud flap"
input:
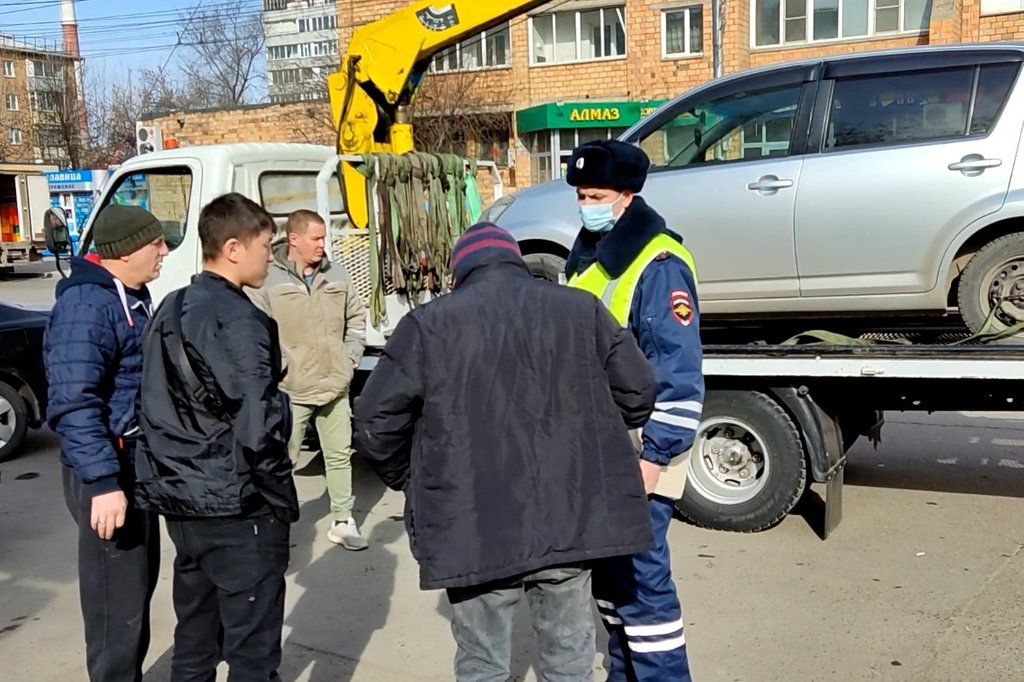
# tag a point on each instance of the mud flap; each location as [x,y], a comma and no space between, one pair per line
[835,456]
[823,439]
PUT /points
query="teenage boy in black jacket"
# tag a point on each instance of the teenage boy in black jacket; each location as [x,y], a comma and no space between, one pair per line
[213,457]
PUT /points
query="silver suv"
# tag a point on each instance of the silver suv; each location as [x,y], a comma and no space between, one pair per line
[873,183]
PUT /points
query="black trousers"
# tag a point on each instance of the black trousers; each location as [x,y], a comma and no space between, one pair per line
[229,597]
[116,579]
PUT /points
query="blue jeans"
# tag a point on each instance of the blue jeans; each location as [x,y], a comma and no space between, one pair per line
[561,608]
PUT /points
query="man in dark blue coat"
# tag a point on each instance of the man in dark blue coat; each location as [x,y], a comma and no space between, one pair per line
[93,355]
[627,256]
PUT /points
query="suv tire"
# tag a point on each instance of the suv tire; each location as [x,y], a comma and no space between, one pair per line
[994,273]
[545,266]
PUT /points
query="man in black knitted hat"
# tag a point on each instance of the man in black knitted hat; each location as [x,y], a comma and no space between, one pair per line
[627,256]
[93,355]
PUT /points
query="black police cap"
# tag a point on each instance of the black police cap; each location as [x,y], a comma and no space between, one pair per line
[608,164]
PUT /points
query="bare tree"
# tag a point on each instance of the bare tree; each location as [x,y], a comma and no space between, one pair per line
[116,104]
[457,113]
[221,67]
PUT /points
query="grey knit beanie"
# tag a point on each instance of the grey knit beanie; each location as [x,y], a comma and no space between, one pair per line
[123,230]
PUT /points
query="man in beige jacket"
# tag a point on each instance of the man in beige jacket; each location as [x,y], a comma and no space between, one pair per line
[322,324]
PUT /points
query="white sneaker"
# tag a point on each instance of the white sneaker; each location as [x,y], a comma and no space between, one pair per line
[346,534]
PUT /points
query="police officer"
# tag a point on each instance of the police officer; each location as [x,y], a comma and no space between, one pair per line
[627,256]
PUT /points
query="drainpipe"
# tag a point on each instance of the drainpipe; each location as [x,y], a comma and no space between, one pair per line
[717,37]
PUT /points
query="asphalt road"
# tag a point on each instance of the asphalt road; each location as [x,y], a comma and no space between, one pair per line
[921,582]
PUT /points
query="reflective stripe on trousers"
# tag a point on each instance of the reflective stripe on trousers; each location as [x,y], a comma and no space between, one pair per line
[637,601]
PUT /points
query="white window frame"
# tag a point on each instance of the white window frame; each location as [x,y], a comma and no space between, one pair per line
[8,99]
[687,11]
[14,136]
[480,37]
[872,33]
[9,68]
[578,14]
[990,7]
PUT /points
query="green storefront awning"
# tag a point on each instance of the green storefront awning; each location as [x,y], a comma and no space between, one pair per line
[558,115]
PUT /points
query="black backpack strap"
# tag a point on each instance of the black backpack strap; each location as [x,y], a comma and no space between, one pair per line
[176,345]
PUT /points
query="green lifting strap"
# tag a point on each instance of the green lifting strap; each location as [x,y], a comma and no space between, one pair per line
[422,208]
[474,204]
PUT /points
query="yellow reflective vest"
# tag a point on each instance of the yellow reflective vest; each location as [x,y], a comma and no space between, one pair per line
[617,294]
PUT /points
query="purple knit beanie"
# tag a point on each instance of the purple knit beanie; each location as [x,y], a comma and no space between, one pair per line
[479,243]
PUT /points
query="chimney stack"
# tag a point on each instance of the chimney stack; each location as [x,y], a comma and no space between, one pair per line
[69,24]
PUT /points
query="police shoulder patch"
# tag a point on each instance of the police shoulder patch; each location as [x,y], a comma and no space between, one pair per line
[682,306]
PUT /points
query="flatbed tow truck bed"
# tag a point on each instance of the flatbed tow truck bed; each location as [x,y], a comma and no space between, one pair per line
[776,413]
[778,417]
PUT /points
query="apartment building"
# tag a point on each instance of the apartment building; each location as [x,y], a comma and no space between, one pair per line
[576,70]
[39,107]
[301,48]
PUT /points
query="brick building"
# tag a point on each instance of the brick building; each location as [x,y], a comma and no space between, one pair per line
[574,70]
[38,102]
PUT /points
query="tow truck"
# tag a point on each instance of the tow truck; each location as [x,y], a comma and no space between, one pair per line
[777,417]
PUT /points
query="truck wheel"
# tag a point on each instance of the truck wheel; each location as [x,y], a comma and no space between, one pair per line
[13,422]
[994,278]
[747,465]
[545,266]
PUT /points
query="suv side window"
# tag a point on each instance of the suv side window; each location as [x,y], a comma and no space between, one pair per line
[916,106]
[994,85]
[735,127]
[164,192]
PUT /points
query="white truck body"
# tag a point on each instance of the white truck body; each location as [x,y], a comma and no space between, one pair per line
[30,192]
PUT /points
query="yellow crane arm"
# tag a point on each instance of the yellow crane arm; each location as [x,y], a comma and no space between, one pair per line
[382,68]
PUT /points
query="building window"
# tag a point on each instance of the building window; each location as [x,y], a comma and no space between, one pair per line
[42,69]
[582,35]
[43,100]
[682,32]
[8,68]
[322,48]
[1001,6]
[487,50]
[325,23]
[779,22]
[11,102]
[14,136]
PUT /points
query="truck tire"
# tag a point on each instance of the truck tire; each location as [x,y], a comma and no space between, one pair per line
[747,467]
[545,266]
[13,422]
[994,278]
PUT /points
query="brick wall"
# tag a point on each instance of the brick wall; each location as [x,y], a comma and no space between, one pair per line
[768,56]
[302,122]
[1002,27]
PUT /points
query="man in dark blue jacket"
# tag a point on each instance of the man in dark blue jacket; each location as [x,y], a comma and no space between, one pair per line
[629,258]
[93,355]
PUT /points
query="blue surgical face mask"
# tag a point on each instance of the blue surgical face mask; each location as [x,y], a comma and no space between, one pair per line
[599,217]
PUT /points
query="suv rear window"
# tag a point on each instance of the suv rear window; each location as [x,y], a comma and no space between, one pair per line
[916,106]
